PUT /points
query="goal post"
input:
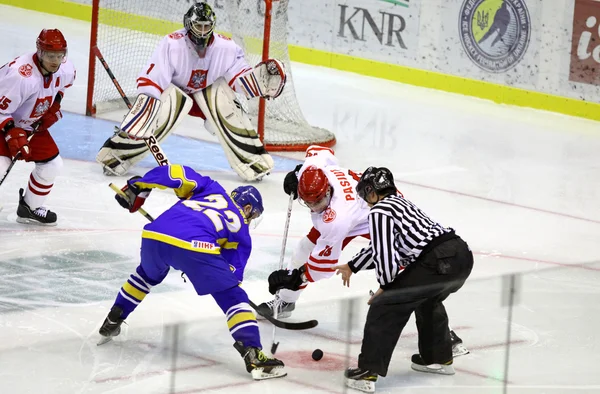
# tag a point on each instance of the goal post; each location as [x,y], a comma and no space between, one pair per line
[126,32]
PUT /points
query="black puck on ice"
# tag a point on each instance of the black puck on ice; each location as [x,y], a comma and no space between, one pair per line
[317,354]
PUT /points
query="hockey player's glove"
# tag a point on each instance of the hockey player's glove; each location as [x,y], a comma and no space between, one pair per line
[284,279]
[135,196]
[16,140]
[51,116]
[290,183]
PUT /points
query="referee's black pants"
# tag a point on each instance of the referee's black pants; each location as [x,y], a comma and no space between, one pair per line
[420,288]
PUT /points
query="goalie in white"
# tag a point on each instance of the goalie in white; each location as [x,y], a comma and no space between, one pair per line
[209,67]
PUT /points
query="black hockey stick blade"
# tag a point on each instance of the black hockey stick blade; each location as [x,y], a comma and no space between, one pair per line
[274,347]
[305,325]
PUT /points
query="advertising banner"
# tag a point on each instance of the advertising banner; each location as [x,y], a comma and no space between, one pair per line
[585,43]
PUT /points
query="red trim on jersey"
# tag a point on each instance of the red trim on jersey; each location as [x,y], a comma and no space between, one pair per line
[142,81]
[237,75]
[313,235]
[312,267]
[39,185]
[322,261]
[307,274]
[68,86]
[318,147]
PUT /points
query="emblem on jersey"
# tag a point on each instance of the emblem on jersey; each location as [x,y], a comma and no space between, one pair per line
[176,35]
[198,79]
[329,215]
[41,106]
[25,70]
[204,245]
[224,37]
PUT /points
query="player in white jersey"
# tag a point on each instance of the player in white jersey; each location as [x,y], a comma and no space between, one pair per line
[338,216]
[195,61]
[31,87]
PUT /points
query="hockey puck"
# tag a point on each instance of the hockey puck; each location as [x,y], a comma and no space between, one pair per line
[317,354]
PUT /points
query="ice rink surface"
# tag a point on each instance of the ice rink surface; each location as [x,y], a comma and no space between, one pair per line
[520,186]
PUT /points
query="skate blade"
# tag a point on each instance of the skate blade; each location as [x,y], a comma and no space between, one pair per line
[459,350]
[260,374]
[434,368]
[104,340]
[361,385]
[33,221]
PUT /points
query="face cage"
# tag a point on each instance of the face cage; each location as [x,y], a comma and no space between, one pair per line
[319,206]
[202,36]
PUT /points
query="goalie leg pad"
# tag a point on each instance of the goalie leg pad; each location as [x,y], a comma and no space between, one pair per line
[119,152]
[226,117]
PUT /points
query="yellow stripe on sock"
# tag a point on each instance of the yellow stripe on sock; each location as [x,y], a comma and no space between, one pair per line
[240,317]
[132,291]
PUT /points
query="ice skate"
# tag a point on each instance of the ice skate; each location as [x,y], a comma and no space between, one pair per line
[419,365]
[258,364]
[40,216]
[285,308]
[111,326]
[361,379]
[458,349]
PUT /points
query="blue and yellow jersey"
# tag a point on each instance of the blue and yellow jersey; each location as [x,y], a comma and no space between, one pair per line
[205,220]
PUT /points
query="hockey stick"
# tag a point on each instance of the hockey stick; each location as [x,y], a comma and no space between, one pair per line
[35,126]
[277,301]
[305,325]
[278,323]
[122,194]
[151,142]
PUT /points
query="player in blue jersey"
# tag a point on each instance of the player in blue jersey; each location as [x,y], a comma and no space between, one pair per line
[205,235]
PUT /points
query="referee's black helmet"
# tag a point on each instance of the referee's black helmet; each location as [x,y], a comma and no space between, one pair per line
[377,179]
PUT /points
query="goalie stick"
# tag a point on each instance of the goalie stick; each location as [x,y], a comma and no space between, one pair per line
[277,323]
[151,142]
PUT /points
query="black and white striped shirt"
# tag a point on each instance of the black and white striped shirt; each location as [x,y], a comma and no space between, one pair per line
[399,232]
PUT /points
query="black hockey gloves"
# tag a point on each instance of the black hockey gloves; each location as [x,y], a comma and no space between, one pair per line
[284,279]
[135,195]
[290,183]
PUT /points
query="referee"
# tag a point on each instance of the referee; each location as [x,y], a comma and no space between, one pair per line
[418,264]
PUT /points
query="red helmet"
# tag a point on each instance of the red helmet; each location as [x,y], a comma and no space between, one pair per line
[313,188]
[51,40]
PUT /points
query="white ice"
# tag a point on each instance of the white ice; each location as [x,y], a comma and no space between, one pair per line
[520,186]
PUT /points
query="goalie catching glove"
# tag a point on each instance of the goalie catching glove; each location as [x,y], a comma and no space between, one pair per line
[267,79]
[285,279]
[135,196]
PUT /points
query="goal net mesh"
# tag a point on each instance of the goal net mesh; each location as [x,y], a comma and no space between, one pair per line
[128,31]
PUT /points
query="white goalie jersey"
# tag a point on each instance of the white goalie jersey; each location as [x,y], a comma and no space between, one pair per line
[176,62]
[178,80]
[345,218]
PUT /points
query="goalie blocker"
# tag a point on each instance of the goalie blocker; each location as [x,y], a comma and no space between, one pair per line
[226,118]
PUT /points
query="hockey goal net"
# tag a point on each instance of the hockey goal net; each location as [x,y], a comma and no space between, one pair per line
[125,33]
